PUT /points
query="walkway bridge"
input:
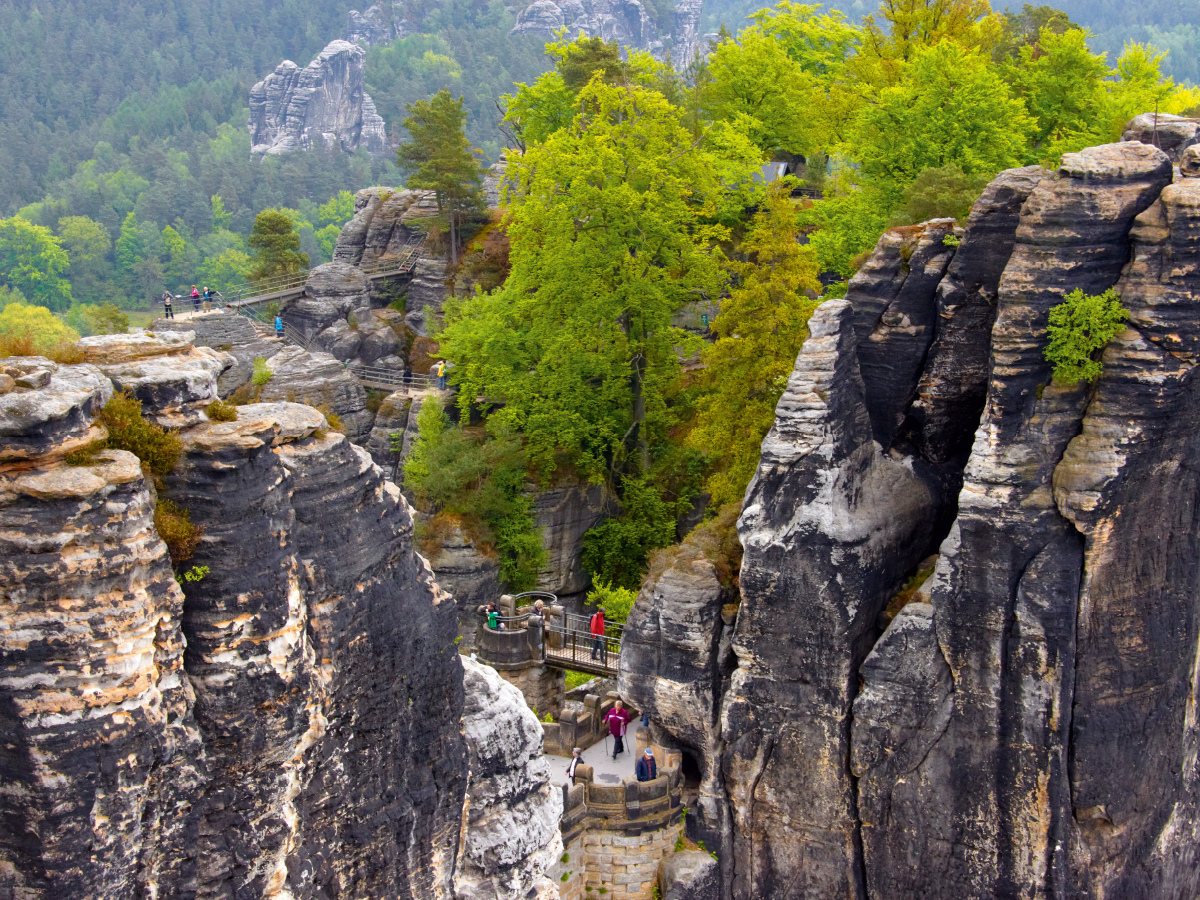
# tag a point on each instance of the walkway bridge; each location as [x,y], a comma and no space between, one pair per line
[557,639]
[271,290]
[245,298]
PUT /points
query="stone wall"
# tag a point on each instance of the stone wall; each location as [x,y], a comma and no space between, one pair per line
[616,836]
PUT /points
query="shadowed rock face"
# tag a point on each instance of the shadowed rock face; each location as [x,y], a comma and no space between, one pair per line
[287,726]
[1029,728]
[325,104]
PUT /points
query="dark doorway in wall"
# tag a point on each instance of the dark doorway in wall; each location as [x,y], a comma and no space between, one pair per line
[692,773]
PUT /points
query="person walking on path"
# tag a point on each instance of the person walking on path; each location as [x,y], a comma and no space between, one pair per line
[647,766]
[576,759]
[207,299]
[279,327]
[599,647]
[618,718]
[168,313]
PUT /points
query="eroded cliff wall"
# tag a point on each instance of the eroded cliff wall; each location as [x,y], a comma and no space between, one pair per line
[287,726]
[1030,730]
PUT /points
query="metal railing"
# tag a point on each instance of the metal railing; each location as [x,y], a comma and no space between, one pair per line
[379,377]
[578,648]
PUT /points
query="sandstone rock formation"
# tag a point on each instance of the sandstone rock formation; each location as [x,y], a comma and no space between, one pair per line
[287,726]
[1026,726]
[565,513]
[318,379]
[510,834]
[378,25]
[325,104]
[1171,134]
[392,418]
[225,330]
[689,875]
[626,21]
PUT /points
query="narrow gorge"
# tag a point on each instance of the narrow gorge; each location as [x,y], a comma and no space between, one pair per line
[959,658]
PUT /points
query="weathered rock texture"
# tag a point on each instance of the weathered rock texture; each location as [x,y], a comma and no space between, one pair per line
[286,726]
[1027,727]
[325,104]
[510,834]
[628,22]
[380,24]
[565,513]
[689,875]
[225,330]
[1171,134]
[318,379]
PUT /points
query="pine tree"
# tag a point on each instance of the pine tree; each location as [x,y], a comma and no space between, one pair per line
[275,240]
[439,159]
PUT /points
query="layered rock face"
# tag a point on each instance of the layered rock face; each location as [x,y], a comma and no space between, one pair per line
[289,725]
[1171,134]
[318,379]
[225,330]
[377,25]
[510,834]
[625,21]
[1027,727]
[324,104]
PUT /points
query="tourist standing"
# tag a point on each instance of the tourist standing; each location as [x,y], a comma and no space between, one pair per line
[279,327]
[618,719]
[168,313]
[576,759]
[647,766]
[195,299]
[599,647]
[207,299]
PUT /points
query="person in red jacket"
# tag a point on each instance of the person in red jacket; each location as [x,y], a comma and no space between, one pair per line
[618,717]
[599,647]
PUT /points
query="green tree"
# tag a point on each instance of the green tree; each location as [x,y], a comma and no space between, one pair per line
[130,249]
[277,246]
[338,210]
[1080,328]
[87,245]
[439,159]
[950,107]
[944,192]
[46,329]
[482,484]
[760,329]
[219,214]
[180,262]
[610,224]
[226,269]
[1024,29]
[33,261]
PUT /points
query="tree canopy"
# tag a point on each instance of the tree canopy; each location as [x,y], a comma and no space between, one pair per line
[277,245]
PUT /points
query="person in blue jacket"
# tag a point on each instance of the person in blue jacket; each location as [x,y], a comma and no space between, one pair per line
[279,326]
[647,768]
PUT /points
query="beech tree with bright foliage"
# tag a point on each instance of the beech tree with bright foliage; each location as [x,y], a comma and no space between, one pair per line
[760,328]
[610,222]
[33,262]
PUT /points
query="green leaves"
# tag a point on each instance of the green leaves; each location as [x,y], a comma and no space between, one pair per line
[1080,327]
[33,262]
[277,244]
[438,157]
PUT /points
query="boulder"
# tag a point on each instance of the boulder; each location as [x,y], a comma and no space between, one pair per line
[1171,134]
[377,345]
[229,332]
[689,875]
[324,105]
[53,418]
[510,834]
[318,379]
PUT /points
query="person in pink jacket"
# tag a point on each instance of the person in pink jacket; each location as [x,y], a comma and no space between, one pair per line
[618,718]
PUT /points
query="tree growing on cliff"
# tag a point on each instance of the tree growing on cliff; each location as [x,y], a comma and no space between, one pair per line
[1080,328]
[277,245]
[760,329]
[439,159]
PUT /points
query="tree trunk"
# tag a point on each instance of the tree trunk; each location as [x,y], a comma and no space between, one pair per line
[639,410]
[453,241]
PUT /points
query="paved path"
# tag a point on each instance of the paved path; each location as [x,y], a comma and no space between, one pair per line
[607,770]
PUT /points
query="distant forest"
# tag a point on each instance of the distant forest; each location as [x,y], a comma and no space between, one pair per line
[133,115]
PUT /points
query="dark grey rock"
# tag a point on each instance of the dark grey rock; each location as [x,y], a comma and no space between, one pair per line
[689,875]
